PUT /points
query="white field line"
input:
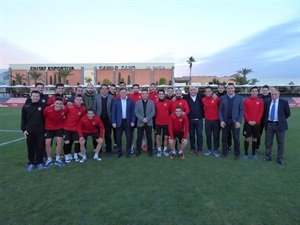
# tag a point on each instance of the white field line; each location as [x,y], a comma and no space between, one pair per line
[8,142]
[9,114]
[13,131]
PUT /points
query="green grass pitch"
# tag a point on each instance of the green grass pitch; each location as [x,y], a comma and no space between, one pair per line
[197,190]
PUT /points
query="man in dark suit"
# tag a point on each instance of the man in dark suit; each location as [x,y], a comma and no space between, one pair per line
[123,119]
[103,103]
[231,113]
[195,116]
[276,113]
[144,111]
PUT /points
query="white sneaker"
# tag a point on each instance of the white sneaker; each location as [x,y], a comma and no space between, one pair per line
[158,154]
[166,153]
[97,158]
[82,160]
[70,157]
[76,157]
[67,158]
[80,154]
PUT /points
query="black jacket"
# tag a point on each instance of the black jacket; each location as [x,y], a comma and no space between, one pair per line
[32,117]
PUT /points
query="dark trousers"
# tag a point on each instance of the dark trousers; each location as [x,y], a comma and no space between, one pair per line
[229,139]
[140,133]
[262,127]
[115,135]
[236,138]
[35,147]
[107,133]
[195,130]
[271,130]
[119,133]
[212,128]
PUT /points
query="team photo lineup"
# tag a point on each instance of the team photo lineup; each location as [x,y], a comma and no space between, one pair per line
[177,120]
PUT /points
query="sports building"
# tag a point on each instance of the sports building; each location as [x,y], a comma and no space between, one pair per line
[98,73]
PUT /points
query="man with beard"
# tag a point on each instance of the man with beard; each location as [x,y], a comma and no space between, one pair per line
[113,90]
[170,93]
[179,101]
[88,96]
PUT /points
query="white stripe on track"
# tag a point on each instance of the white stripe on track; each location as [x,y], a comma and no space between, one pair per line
[6,143]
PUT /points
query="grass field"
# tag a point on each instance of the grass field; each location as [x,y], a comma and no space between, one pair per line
[197,190]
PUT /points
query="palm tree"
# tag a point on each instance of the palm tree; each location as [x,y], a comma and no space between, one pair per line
[216,81]
[63,74]
[190,61]
[18,79]
[253,81]
[243,73]
[239,80]
[35,76]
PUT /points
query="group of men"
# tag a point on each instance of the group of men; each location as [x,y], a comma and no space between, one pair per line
[172,115]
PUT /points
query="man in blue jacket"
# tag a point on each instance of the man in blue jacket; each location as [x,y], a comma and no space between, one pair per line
[231,113]
[123,119]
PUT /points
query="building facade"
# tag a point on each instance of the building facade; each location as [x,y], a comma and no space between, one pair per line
[98,73]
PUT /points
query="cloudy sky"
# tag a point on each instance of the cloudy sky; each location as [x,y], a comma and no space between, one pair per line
[223,36]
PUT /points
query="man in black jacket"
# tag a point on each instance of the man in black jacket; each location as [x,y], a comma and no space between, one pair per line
[32,125]
[43,97]
[265,96]
[196,114]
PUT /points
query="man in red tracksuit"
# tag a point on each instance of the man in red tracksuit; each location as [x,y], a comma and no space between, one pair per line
[59,92]
[178,126]
[212,122]
[253,111]
[180,102]
[73,115]
[90,125]
[162,112]
[54,123]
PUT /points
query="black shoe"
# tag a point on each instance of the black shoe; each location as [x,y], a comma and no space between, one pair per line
[223,156]
[280,161]
[150,154]
[267,159]
[119,155]
[108,155]
[236,158]
[229,149]
[128,155]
